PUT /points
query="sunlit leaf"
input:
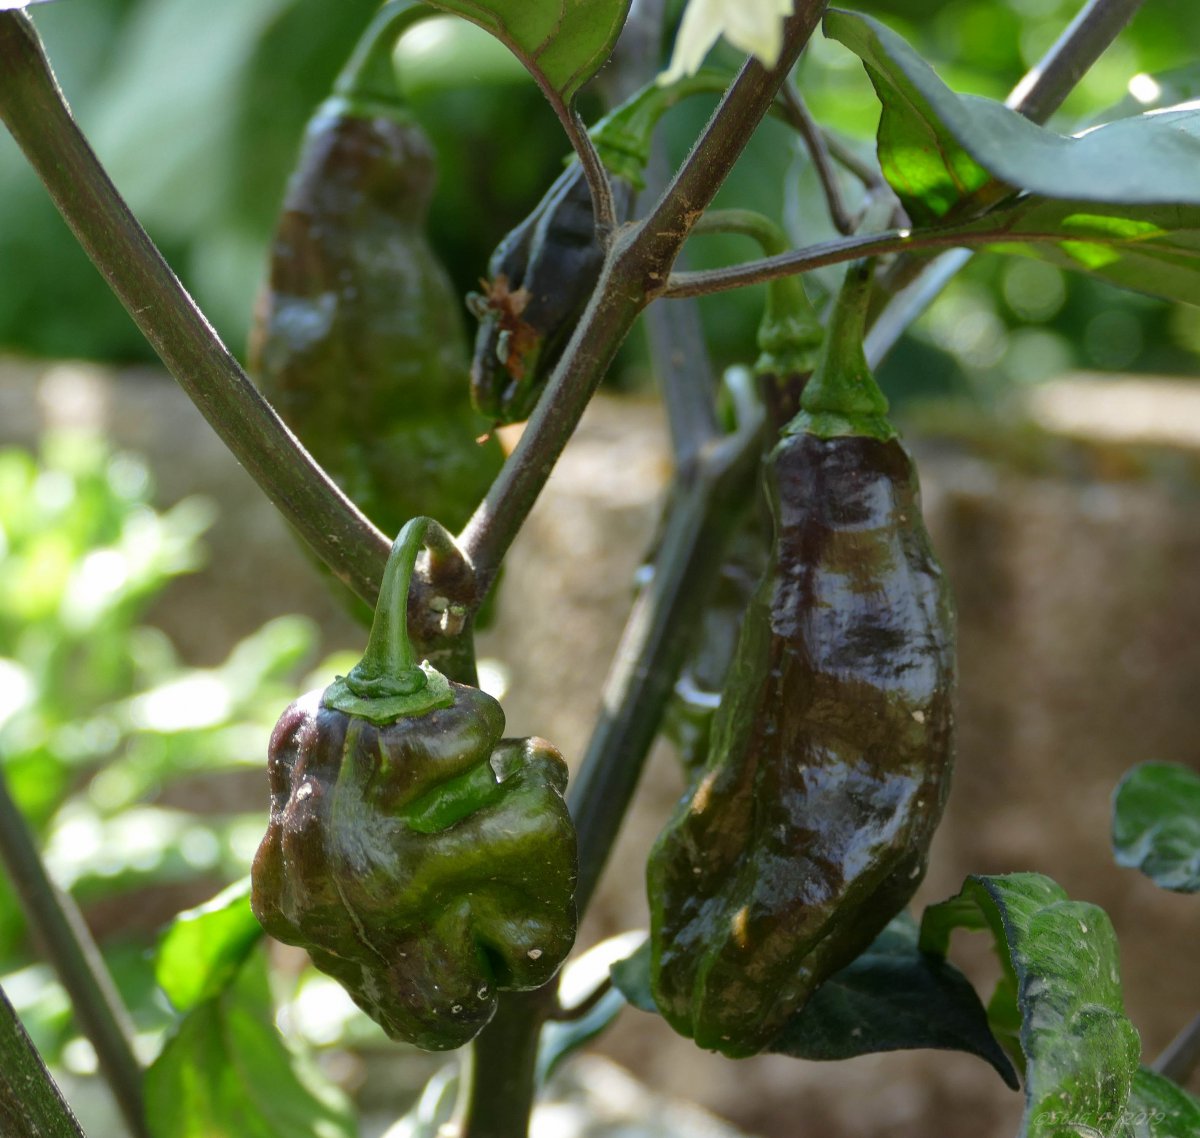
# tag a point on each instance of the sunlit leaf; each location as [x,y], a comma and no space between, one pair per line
[227,1073]
[201,952]
[1061,964]
[563,43]
[1156,824]
[937,147]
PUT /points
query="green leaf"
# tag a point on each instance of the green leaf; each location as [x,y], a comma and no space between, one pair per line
[227,1073]
[938,148]
[893,997]
[1156,824]
[204,948]
[1152,249]
[563,43]
[1061,961]
[1159,1108]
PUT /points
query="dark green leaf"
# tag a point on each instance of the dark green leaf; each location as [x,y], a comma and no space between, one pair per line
[893,997]
[227,1073]
[1159,1108]
[937,148]
[1060,956]
[201,952]
[563,43]
[1156,824]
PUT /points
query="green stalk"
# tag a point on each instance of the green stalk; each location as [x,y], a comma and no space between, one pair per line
[842,398]
[389,682]
[369,74]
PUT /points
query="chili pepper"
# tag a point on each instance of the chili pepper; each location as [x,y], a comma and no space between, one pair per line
[422,860]
[544,271]
[831,751]
[789,339]
[358,340]
[539,281]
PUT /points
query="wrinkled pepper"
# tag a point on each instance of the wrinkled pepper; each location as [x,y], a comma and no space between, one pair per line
[831,750]
[358,341]
[424,861]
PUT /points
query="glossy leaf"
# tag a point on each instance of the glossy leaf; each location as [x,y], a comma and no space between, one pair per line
[202,951]
[227,1073]
[1061,962]
[563,43]
[1156,824]
[937,147]
[894,997]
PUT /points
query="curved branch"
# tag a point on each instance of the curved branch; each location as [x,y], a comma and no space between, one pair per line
[33,108]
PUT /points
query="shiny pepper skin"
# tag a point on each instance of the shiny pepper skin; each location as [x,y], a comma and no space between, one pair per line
[358,340]
[424,861]
[829,762]
[420,863]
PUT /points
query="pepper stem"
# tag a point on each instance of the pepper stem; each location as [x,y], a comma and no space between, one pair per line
[790,333]
[842,398]
[389,682]
[369,74]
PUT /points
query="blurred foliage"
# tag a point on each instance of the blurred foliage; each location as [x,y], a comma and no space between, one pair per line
[198,110]
[103,730]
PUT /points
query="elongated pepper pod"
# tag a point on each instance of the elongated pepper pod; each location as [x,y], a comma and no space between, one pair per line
[422,860]
[831,751]
[358,339]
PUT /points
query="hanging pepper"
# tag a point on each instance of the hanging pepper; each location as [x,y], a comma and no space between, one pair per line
[543,272]
[358,341]
[422,860]
[789,340]
[830,755]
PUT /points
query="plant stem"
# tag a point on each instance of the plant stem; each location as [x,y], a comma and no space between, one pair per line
[824,253]
[69,946]
[1047,84]
[635,272]
[31,1105]
[800,118]
[648,659]
[1182,1055]
[34,110]
[503,1065]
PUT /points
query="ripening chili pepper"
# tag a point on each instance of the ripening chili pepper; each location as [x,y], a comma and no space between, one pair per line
[831,750]
[358,339]
[422,860]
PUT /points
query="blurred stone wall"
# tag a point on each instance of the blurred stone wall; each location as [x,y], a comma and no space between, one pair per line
[1074,550]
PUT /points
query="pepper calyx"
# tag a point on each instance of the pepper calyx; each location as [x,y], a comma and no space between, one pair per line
[380,706]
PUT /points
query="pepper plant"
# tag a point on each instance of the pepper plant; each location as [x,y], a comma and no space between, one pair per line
[434,868]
